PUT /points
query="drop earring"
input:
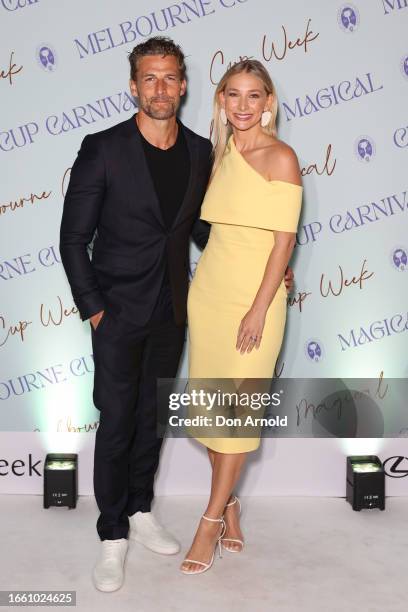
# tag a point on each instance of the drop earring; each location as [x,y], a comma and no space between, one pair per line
[223,116]
[266,117]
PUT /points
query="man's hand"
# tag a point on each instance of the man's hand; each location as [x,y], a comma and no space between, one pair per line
[95,319]
[289,278]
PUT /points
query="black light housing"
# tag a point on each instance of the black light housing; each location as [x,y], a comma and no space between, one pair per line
[365,482]
[61,480]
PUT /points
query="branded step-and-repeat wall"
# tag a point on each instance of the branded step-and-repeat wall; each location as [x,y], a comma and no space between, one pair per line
[341,73]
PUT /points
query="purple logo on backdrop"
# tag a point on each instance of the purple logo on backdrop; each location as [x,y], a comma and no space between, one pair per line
[313,350]
[399,258]
[348,17]
[46,57]
[364,148]
[404,66]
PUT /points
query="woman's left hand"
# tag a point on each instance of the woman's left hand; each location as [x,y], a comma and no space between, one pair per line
[250,331]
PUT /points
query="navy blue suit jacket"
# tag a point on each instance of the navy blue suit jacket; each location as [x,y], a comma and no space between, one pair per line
[111,200]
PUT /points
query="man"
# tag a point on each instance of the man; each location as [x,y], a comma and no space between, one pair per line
[138,185]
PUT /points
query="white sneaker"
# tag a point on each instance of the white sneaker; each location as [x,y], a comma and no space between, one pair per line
[145,529]
[108,572]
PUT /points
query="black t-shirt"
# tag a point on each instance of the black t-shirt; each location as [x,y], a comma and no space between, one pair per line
[170,173]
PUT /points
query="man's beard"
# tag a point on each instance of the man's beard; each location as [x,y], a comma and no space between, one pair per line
[157,112]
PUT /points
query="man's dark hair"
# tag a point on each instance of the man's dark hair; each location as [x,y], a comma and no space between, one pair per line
[157,45]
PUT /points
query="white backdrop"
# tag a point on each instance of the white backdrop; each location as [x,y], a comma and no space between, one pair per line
[341,73]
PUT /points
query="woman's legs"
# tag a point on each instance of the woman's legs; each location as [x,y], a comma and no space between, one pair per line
[226,472]
[231,516]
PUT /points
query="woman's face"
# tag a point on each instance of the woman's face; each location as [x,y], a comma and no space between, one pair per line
[244,100]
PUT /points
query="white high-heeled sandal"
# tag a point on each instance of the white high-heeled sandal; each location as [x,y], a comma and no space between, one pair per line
[207,566]
[233,550]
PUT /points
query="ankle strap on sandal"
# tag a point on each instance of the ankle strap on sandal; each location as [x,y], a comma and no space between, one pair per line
[219,520]
[234,501]
[207,518]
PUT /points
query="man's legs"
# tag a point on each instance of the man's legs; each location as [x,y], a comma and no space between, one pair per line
[118,359]
[127,363]
[162,350]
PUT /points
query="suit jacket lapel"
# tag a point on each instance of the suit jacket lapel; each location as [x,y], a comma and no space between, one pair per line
[192,144]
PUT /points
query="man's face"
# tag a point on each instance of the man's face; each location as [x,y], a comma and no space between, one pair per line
[158,86]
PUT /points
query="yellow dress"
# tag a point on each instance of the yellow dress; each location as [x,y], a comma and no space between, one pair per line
[243,209]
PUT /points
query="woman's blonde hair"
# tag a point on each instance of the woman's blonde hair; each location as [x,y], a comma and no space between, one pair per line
[221,132]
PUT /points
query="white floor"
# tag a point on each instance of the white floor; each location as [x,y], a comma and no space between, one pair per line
[306,554]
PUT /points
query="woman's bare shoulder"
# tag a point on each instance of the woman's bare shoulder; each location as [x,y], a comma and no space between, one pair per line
[283,162]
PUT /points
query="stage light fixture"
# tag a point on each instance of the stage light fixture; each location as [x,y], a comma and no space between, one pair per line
[60,480]
[365,482]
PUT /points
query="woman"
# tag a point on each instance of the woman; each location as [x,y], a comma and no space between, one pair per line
[237,299]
